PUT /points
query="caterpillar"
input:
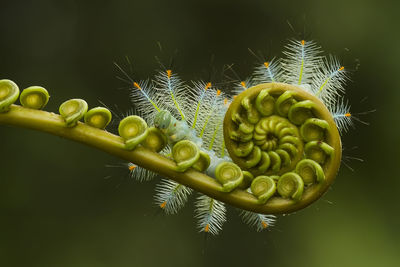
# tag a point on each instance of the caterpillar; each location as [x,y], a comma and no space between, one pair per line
[270,145]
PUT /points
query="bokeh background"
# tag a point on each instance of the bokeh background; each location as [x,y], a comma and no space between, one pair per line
[61,206]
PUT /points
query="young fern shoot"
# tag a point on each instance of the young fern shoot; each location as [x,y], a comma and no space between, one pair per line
[273,147]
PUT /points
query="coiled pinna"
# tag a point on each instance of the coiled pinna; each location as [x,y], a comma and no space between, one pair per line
[285,132]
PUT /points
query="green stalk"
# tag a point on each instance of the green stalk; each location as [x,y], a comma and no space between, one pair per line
[114,145]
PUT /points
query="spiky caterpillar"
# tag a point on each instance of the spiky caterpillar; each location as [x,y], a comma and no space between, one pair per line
[190,119]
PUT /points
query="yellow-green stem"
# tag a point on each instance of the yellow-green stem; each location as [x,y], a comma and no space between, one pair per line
[114,145]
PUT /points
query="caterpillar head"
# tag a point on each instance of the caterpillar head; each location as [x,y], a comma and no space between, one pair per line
[287,140]
[162,120]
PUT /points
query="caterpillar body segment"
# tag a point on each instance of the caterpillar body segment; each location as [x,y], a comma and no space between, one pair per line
[175,130]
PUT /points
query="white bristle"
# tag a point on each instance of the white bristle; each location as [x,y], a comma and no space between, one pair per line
[259,221]
[302,58]
[213,132]
[269,71]
[241,86]
[341,114]
[200,100]
[172,89]
[171,196]
[145,100]
[140,174]
[210,213]
[329,80]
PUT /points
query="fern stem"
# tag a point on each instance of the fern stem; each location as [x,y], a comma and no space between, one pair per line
[114,145]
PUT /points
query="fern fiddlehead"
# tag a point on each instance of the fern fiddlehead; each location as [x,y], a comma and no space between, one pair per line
[273,148]
[274,144]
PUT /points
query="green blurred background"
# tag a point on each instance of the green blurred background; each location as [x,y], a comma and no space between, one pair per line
[58,205]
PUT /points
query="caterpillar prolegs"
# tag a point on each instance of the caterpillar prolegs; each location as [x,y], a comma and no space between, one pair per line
[272,148]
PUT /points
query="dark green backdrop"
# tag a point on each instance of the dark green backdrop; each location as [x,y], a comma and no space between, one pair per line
[57,208]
